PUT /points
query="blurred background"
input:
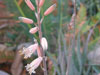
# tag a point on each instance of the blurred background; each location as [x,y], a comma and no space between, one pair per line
[65,56]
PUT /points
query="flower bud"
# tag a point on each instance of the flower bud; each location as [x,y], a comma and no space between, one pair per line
[50,9]
[30,5]
[33,30]
[26,20]
[41,3]
[44,43]
[36,1]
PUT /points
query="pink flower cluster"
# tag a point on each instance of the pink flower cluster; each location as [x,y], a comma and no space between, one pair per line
[27,52]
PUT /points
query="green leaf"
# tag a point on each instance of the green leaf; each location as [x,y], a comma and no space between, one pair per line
[96,69]
[79,53]
[54,62]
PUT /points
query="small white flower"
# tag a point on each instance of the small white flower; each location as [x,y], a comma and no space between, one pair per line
[29,50]
[33,65]
[44,43]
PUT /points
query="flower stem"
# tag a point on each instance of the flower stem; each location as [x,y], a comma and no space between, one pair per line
[40,37]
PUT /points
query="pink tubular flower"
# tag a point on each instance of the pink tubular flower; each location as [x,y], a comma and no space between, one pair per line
[49,10]
[26,20]
[41,3]
[34,65]
[30,5]
[29,50]
[33,30]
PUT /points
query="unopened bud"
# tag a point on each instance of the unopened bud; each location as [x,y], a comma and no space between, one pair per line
[50,9]
[30,5]
[44,43]
[33,30]
[26,20]
[41,3]
[36,1]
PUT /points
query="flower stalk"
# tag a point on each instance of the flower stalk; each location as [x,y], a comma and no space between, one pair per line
[40,37]
[40,48]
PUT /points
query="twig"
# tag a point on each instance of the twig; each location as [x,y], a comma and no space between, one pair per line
[3,26]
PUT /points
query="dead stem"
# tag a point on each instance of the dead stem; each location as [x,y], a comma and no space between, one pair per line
[73,41]
[89,35]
